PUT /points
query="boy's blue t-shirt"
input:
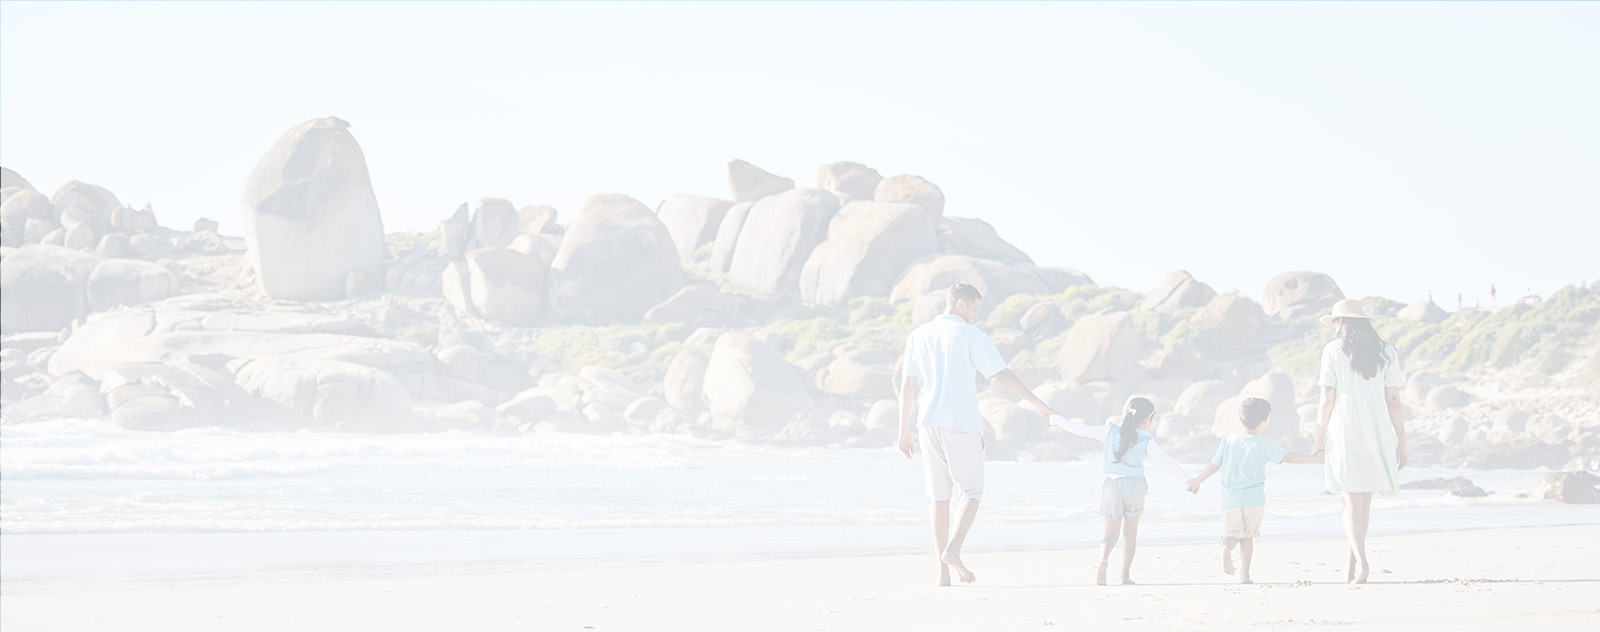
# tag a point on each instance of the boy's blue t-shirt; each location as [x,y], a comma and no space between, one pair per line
[1242,463]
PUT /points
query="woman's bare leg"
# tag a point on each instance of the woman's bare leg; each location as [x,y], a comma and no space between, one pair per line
[1357,516]
[1108,542]
[1130,542]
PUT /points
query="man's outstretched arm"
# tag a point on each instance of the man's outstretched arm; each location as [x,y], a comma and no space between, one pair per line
[1014,384]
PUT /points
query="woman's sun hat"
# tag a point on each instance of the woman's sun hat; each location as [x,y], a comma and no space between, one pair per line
[1347,308]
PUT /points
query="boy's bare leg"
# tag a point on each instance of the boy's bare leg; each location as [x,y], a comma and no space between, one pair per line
[966,514]
[1357,516]
[1227,553]
[1247,547]
[1108,542]
[1130,542]
[941,535]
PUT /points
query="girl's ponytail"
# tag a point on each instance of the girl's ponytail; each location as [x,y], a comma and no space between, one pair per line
[1139,409]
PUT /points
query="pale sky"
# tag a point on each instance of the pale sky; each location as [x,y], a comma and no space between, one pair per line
[1401,148]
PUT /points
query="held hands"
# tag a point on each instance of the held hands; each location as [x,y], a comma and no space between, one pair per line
[1194,485]
[1320,446]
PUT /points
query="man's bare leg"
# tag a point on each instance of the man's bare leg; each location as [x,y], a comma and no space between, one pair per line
[1108,542]
[1130,543]
[1247,548]
[1227,553]
[966,514]
[941,535]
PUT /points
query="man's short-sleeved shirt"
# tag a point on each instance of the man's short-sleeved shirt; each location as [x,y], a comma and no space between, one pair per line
[1242,461]
[943,355]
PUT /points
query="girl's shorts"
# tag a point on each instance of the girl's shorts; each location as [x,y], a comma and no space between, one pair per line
[1122,497]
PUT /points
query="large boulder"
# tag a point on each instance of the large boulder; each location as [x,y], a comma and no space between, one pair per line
[9,178]
[18,209]
[1177,290]
[86,207]
[116,282]
[1100,347]
[1577,488]
[506,285]
[173,396]
[777,238]
[749,183]
[43,288]
[849,180]
[997,280]
[912,189]
[693,303]
[685,381]
[537,220]
[72,395]
[1233,319]
[728,235]
[1278,390]
[869,244]
[1424,311]
[542,247]
[1294,294]
[494,224]
[859,373]
[977,238]
[310,217]
[456,285]
[616,261]
[1197,405]
[692,221]
[751,391]
[1014,426]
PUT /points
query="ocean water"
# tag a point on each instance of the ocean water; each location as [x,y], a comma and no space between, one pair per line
[84,498]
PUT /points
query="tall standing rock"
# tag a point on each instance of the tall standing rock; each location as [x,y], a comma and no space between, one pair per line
[869,244]
[1294,294]
[615,262]
[728,236]
[749,183]
[777,238]
[692,221]
[310,217]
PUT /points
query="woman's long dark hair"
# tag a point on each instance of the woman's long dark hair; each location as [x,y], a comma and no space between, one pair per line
[1361,342]
[1139,409]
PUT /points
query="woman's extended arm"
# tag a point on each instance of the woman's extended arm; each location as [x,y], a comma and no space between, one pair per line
[1098,433]
[1168,462]
[1391,396]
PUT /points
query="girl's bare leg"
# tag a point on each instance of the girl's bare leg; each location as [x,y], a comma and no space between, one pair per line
[1108,542]
[1130,542]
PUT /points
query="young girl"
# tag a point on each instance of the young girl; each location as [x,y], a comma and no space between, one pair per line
[1122,494]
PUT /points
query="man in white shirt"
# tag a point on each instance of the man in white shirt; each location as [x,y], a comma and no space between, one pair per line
[939,390]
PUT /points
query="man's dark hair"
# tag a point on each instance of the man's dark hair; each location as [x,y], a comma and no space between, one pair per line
[1253,411]
[962,292]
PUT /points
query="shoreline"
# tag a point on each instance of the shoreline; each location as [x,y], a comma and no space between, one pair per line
[1468,579]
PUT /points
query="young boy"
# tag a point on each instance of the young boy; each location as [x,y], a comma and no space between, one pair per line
[1242,459]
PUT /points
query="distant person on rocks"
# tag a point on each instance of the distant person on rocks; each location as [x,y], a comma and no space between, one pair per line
[1361,431]
[1242,459]
[1128,445]
[940,392]
[1458,301]
[1493,302]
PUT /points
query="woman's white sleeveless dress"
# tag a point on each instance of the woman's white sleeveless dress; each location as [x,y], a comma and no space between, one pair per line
[1361,440]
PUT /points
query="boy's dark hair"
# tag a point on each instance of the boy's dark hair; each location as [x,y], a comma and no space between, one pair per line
[1253,411]
[962,292]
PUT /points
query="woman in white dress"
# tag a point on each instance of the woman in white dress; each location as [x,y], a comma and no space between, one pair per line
[1361,431]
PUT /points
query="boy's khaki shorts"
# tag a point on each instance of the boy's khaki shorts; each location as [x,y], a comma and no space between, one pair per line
[1242,522]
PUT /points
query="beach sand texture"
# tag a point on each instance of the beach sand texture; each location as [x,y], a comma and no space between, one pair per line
[1540,578]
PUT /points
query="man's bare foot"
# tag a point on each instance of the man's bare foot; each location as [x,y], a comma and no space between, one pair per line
[944,576]
[1245,579]
[1227,562]
[962,573]
[1128,581]
[1100,575]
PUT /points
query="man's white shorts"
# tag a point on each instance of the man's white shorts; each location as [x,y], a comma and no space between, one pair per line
[952,460]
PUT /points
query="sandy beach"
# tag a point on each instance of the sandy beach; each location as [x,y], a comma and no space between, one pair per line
[1541,578]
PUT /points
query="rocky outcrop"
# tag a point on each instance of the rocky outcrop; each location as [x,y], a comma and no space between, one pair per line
[685,381]
[750,390]
[749,183]
[310,216]
[616,261]
[849,181]
[728,236]
[506,285]
[1233,319]
[1575,488]
[911,189]
[1100,347]
[1292,295]
[1278,390]
[116,282]
[9,178]
[1177,290]
[692,221]
[869,244]
[977,238]
[777,238]
[21,208]
[44,288]
[494,224]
